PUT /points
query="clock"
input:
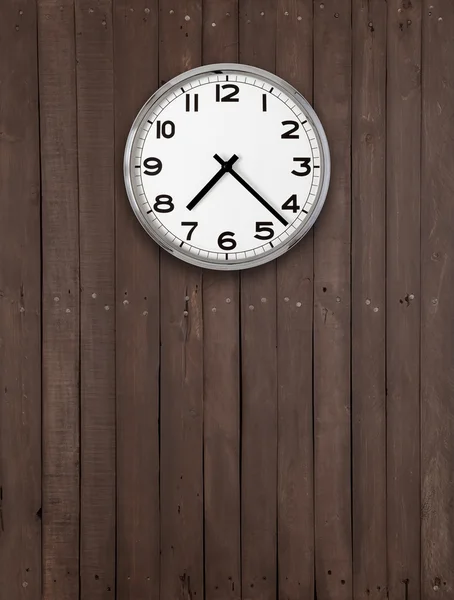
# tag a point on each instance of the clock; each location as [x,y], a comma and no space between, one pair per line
[227,166]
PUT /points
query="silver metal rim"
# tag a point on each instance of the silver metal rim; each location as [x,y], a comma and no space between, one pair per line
[325,164]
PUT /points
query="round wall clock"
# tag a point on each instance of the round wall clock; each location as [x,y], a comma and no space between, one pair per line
[227,166]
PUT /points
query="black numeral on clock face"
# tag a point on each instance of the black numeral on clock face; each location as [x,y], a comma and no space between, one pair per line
[226,241]
[230,96]
[166,129]
[195,103]
[304,164]
[291,204]
[163,204]
[153,166]
[192,225]
[264,230]
[290,133]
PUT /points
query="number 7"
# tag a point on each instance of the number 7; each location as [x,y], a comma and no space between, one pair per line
[192,225]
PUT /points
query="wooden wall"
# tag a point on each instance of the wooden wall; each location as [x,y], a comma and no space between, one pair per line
[168,433]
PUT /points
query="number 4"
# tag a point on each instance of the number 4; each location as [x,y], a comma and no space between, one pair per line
[291,204]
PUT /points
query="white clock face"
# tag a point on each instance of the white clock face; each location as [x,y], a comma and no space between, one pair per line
[227,166]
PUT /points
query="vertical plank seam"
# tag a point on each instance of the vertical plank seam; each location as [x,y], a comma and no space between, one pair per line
[351,304]
[202,37]
[204,587]
[115,304]
[276,353]
[240,363]
[158,83]
[203,404]
[421,133]
[114,196]
[386,296]
[41,277]
[76,91]
[159,386]
[276,350]
[313,339]
[157,48]
[240,420]
[158,2]
[385,258]
[159,404]
[353,143]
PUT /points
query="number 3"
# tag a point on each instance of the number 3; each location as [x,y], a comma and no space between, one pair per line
[304,162]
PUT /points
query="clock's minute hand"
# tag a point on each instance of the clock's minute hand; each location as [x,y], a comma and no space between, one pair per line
[222,171]
[228,167]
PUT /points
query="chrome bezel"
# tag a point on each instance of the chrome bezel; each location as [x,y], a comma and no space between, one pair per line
[325,165]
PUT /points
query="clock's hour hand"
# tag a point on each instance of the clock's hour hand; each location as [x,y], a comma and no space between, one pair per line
[222,171]
[273,211]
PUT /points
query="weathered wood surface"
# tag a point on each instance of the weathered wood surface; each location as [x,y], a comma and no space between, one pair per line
[332,319]
[20,305]
[294,303]
[280,434]
[221,364]
[95,119]
[137,322]
[368,300]
[437,308]
[181,398]
[257,39]
[403,297]
[60,301]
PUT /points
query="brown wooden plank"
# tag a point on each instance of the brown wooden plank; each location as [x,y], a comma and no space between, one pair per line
[137,321]
[221,393]
[181,398]
[221,432]
[257,29]
[60,330]
[181,431]
[220,31]
[403,302]
[294,61]
[332,98]
[437,314]
[20,296]
[97,277]
[368,299]
[259,433]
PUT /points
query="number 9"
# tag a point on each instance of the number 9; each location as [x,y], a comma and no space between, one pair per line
[153,166]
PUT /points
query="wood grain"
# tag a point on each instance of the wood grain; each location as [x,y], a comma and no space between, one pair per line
[20,295]
[294,63]
[369,299]
[181,416]
[437,315]
[281,433]
[257,30]
[221,358]
[60,299]
[403,297]
[137,322]
[222,436]
[332,385]
[95,114]
[220,31]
